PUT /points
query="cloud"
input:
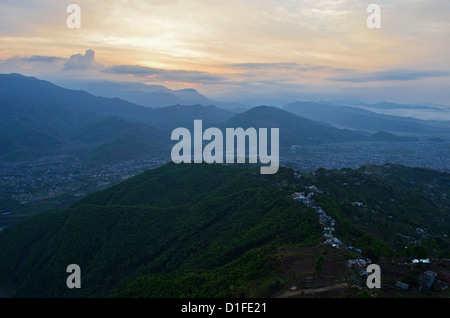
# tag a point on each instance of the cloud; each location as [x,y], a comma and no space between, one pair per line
[161,74]
[136,70]
[52,66]
[305,67]
[390,75]
[33,59]
[80,61]
[253,66]
[41,58]
[31,65]
[281,73]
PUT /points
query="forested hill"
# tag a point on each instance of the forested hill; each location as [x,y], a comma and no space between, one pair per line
[201,230]
[177,217]
[408,209]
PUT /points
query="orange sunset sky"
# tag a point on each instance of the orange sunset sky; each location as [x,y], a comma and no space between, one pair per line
[251,51]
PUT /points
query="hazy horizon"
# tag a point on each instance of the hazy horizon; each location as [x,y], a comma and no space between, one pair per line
[252,52]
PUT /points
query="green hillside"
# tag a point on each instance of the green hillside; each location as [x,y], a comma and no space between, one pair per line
[401,206]
[294,130]
[134,142]
[28,146]
[185,218]
[198,230]
[100,131]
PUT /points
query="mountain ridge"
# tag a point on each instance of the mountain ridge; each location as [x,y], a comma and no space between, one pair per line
[294,130]
[356,118]
[211,225]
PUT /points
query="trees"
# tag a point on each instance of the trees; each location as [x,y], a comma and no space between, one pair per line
[318,263]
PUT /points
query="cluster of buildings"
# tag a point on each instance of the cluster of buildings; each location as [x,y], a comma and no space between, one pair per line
[359,265]
[354,155]
[429,277]
[30,181]
[328,223]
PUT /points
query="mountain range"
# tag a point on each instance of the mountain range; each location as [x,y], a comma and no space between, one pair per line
[153,96]
[359,119]
[41,119]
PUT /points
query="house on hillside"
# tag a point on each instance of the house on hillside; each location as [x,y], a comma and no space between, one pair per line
[401,285]
[351,263]
[362,272]
[337,242]
[298,195]
[362,262]
[443,276]
[427,280]
[326,219]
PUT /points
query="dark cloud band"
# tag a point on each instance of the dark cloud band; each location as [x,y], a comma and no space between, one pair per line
[392,75]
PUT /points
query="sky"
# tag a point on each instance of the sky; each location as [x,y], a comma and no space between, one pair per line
[248,51]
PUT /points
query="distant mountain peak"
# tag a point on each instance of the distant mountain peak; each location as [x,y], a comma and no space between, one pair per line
[385,136]
[188,90]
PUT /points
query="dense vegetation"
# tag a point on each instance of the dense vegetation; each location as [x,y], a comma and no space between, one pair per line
[387,210]
[197,230]
[192,219]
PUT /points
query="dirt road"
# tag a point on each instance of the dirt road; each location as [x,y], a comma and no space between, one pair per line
[311,291]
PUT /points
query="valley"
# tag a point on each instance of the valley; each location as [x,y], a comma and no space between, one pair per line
[31,187]
[356,154]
